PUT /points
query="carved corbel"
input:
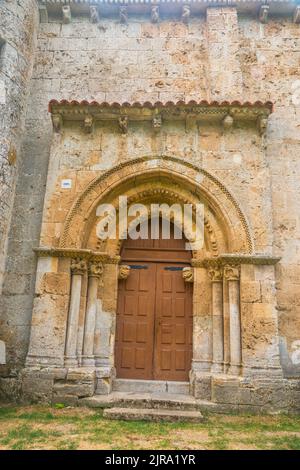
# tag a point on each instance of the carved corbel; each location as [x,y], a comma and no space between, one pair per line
[88,124]
[66,14]
[123,15]
[94,14]
[157,122]
[186,13]
[231,273]
[264,13]
[262,124]
[228,122]
[215,274]
[43,13]
[296,16]
[155,14]
[123,124]
[188,274]
[78,266]
[124,271]
[57,122]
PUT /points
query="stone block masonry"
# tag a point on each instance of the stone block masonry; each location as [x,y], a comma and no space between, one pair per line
[140,55]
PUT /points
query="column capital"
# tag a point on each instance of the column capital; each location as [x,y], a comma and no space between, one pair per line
[216,274]
[95,269]
[231,273]
[78,266]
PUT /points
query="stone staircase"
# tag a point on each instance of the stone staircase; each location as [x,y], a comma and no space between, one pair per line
[150,401]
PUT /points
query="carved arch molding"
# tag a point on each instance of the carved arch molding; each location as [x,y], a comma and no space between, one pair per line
[160,179]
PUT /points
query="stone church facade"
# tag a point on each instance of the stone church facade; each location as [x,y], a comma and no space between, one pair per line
[181,102]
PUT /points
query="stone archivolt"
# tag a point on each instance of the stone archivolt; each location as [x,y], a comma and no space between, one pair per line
[167,194]
[210,191]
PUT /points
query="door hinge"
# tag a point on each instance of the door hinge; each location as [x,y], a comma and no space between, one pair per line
[138,266]
[174,268]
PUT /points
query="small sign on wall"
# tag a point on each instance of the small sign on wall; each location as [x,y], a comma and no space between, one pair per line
[66,184]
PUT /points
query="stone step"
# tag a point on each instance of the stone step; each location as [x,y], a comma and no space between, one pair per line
[154,386]
[158,401]
[145,414]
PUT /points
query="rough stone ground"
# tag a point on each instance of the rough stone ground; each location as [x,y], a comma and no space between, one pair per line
[38,427]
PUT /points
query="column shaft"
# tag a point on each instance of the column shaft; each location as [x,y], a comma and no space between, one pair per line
[217,320]
[90,322]
[235,326]
[72,328]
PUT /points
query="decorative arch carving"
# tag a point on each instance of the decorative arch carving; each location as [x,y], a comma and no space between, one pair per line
[165,171]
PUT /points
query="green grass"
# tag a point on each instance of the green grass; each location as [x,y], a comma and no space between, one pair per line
[41,427]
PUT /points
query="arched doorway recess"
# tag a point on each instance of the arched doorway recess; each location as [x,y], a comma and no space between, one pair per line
[154,311]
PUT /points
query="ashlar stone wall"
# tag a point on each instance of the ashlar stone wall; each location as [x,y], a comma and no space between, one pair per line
[222,55]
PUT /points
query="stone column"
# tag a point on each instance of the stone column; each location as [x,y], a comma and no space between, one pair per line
[216,276]
[232,274]
[202,336]
[95,272]
[78,267]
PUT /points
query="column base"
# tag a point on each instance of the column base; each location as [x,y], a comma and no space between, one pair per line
[88,361]
[217,368]
[71,361]
[234,370]
[104,380]
[201,385]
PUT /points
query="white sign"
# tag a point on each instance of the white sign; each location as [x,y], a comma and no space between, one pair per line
[66,184]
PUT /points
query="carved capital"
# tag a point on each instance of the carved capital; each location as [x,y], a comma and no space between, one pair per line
[188,274]
[123,124]
[123,15]
[124,271]
[78,266]
[186,13]
[66,14]
[96,269]
[57,122]
[94,14]
[155,14]
[231,273]
[215,274]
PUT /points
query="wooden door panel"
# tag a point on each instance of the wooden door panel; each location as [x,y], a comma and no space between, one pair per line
[135,324]
[173,325]
[154,313]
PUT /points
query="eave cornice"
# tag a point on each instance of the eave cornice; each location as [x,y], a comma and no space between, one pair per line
[261,9]
[225,113]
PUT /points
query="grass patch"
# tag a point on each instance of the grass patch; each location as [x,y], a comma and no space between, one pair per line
[42,427]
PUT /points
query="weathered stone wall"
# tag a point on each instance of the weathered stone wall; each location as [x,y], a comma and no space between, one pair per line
[18,37]
[221,56]
[269,57]
[18,28]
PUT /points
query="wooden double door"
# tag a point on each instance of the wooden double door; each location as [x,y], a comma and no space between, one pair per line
[154,323]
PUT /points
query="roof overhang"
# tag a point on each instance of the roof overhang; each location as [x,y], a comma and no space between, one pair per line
[169,8]
[226,113]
